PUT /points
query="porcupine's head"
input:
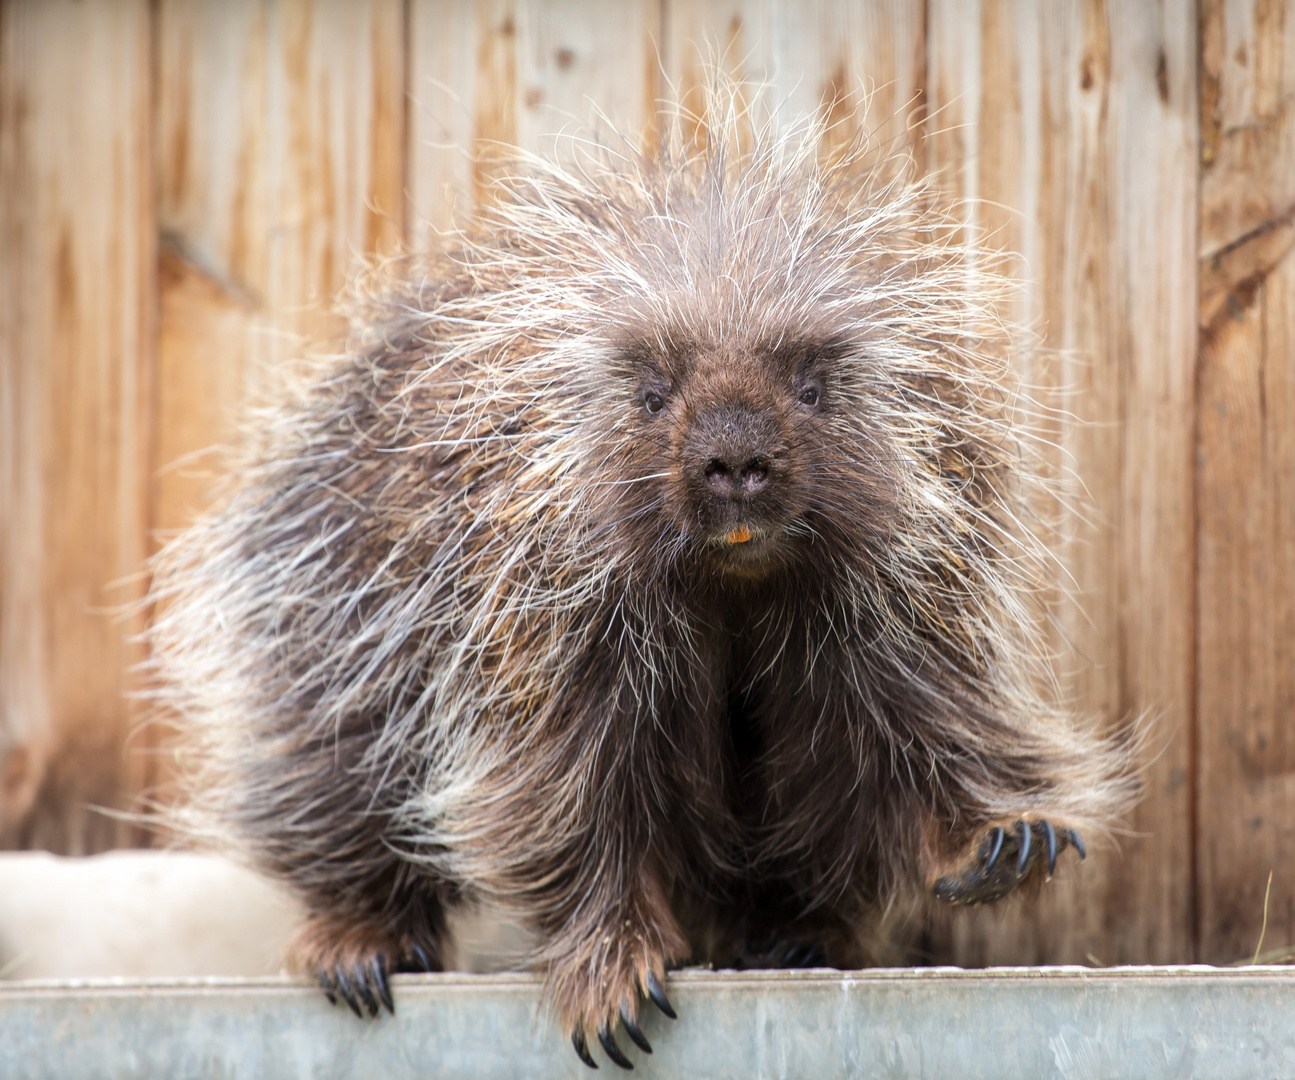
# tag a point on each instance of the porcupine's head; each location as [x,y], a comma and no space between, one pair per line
[741,353]
[789,366]
[743,431]
[744,445]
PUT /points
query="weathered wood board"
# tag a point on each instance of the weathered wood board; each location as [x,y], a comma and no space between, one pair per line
[486,76]
[1076,126]
[1245,458]
[280,161]
[77,233]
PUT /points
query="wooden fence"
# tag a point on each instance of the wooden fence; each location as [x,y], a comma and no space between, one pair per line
[184,186]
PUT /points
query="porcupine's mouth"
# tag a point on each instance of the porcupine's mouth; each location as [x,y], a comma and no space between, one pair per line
[744,547]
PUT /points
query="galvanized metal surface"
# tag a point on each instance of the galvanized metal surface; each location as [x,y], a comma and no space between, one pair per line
[1026,1023]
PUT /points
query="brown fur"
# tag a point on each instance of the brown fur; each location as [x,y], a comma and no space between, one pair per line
[468,626]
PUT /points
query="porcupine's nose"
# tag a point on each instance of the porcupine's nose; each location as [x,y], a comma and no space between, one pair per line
[733,452]
[733,478]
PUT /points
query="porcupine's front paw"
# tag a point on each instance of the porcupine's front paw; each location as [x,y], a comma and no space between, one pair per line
[352,962]
[593,998]
[779,952]
[1004,857]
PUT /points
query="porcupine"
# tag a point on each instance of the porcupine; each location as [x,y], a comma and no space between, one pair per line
[652,564]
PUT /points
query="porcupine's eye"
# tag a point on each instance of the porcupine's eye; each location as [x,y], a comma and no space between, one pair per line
[653,402]
[809,396]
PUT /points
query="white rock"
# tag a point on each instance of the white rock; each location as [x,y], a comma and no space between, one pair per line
[138,913]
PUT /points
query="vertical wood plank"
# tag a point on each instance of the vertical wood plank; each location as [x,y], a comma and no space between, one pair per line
[737,36]
[202,352]
[76,283]
[813,58]
[1248,137]
[1081,117]
[280,160]
[496,74]
[1246,487]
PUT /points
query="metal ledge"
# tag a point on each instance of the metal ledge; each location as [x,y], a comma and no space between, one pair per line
[939,1022]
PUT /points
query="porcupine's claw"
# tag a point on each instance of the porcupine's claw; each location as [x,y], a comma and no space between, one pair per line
[800,954]
[658,997]
[1025,833]
[613,1051]
[652,989]
[364,988]
[1077,843]
[782,952]
[811,954]
[582,1048]
[347,991]
[633,1030]
[1050,835]
[360,980]
[378,969]
[988,876]
[995,847]
[416,952]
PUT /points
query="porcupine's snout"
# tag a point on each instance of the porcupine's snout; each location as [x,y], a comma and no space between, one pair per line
[732,451]
[735,463]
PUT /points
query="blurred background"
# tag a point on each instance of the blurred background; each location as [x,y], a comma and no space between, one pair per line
[185,187]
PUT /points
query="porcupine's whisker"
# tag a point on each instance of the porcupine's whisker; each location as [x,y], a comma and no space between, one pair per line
[606,527]
[905,459]
[632,480]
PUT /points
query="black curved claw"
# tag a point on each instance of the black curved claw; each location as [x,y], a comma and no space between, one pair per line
[418,953]
[365,992]
[995,848]
[582,1048]
[814,956]
[1027,834]
[326,985]
[613,1051]
[633,1030]
[803,954]
[1077,843]
[378,965]
[347,991]
[1050,834]
[658,996]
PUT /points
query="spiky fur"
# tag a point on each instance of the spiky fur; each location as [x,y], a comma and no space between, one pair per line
[457,633]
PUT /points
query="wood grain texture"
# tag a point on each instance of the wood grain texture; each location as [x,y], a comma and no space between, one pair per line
[280,162]
[1081,117]
[855,65]
[1247,118]
[497,73]
[1246,482]
[202,353]
[77,235]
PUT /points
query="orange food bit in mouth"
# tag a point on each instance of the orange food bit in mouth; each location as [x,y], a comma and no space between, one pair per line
[740,535]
